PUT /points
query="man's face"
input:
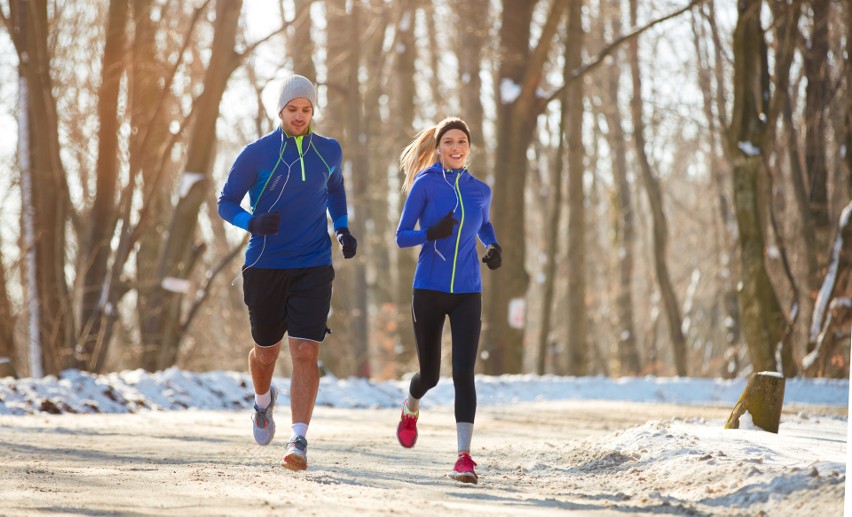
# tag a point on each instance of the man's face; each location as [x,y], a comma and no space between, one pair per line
[296,116]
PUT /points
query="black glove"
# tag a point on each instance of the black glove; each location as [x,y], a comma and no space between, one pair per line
[442,229]
[493,256]
[265,224]
[347,242]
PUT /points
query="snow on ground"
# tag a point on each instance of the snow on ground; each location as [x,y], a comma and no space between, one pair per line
[808,454]
[132,391]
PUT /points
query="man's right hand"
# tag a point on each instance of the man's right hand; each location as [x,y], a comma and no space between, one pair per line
[265,224]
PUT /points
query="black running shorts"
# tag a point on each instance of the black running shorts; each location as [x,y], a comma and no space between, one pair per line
[295,301]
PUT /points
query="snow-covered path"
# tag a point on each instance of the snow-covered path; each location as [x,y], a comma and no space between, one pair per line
[600,458]
[179,443]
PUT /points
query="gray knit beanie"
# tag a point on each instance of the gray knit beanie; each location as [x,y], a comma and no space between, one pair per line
[294,87]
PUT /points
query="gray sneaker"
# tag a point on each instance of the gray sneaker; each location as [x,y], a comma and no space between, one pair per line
[263,425]
[297,454]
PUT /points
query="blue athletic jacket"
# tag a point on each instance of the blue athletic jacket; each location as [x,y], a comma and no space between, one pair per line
[450,265]
[301,178]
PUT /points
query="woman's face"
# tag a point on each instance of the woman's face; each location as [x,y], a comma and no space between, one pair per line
[453,149]
[296,116]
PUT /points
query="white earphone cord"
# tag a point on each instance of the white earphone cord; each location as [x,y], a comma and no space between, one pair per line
[286,180]
[455,194]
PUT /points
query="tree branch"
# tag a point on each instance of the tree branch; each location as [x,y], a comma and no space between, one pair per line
[239,57]
[584,69]
[532,75]
[204,291]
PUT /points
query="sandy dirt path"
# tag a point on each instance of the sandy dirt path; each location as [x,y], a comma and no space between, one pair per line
[205,463]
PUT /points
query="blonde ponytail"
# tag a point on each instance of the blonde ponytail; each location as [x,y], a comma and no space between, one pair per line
[417,155]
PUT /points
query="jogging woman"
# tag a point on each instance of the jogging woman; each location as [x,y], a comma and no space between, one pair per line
[452,209]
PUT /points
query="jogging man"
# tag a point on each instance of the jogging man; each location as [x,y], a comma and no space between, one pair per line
[293,177]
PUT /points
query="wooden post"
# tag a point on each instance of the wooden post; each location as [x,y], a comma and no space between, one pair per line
[762,397]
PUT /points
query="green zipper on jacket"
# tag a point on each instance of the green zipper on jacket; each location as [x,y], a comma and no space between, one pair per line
[301,156]
[458,236]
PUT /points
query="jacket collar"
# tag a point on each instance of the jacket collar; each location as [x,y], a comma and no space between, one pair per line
[436,167]
[287,136]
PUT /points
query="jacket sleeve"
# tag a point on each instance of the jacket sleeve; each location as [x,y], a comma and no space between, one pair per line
[486,231]
[406,235]
[240,178]
[337,208]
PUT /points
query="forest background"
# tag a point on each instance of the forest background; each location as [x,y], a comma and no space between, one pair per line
[671,179]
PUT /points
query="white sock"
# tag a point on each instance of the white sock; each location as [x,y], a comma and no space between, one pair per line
[464,432]
[298,429]
[263,401]
[413,404]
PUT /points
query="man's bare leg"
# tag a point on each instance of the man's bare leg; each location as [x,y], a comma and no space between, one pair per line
[261,363]
[304,384]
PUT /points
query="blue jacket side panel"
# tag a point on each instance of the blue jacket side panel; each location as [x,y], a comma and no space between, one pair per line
[431,197]
[269,170]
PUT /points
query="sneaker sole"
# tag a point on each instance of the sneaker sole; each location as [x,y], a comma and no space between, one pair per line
[294,461]
[464,477]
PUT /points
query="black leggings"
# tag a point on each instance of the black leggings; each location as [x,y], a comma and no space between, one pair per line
[428,310]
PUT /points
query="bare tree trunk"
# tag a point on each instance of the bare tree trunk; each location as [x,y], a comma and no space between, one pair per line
[104,210]
[359,334]
[335,119]
[180,250]
[49,201]
[817,98]
[344,117]
[516,116]
[403,97]
[551,238]
[577,359]
[433,49]
[149,121]
[501,348]
[375,209]
[301,45]
[720,173]
[28,266]
[472,26]
[8,348]
[764,325]
[848,114]
[655,200]
[628,352]
[787,35]
[832,301]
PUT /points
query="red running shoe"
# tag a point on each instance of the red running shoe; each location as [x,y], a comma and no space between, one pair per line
[463,471]
[406,431]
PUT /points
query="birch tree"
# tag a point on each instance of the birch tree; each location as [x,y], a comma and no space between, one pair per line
[46,193]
